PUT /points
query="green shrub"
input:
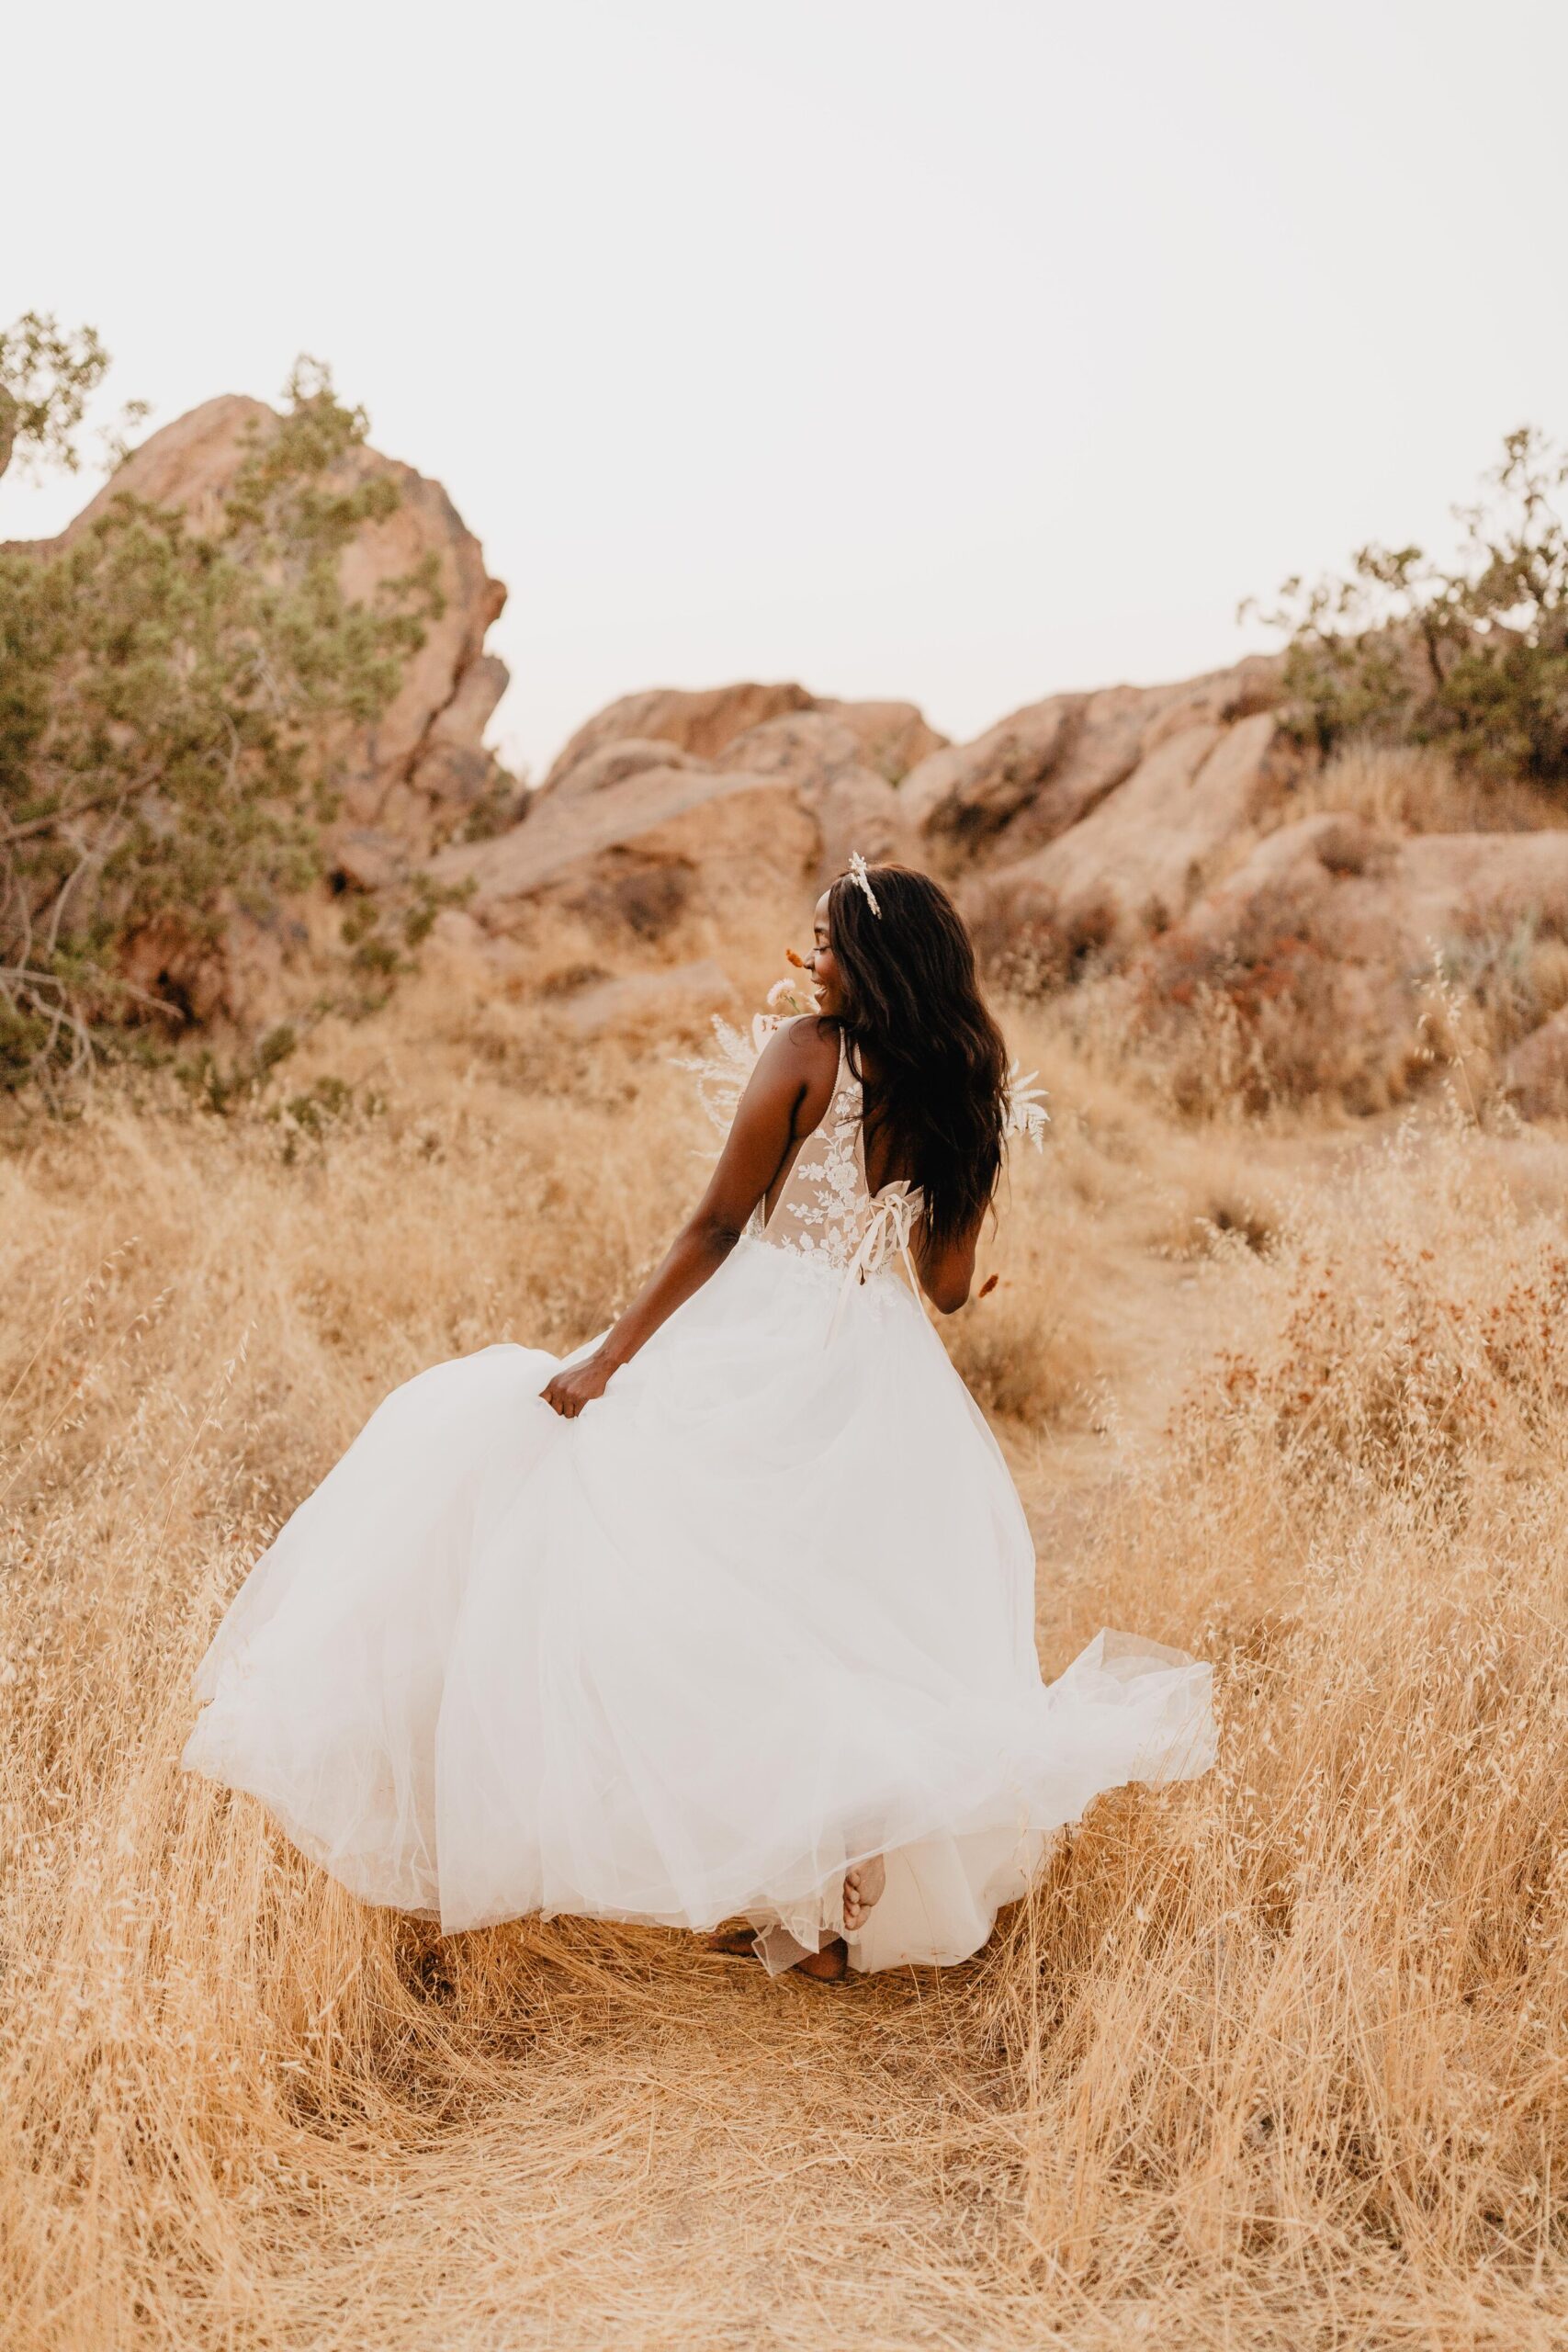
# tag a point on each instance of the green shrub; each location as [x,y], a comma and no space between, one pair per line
[175,705]
[1472,656]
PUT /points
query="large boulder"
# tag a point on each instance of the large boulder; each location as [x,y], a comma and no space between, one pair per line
[961,797]
[1369,897]
[829,765]
[728,726]
[861,811]
[1535,1075]
[805,748]
[614,762]
[823,757]
[894,737]
[643,852]
[1036,774]
[1324,941]
[1146,849]
[419,770]
[703,722]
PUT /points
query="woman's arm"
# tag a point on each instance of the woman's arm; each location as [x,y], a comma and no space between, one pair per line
[946,1273]
[797,1066]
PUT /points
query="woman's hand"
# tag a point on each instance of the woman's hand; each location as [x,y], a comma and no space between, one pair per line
[570,1391]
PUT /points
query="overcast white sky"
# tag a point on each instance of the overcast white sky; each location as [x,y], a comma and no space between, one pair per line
[959,350]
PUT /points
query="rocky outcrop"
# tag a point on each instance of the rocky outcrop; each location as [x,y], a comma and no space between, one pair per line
[1146,847]
[726,727]
[703,723]
[1371,897]
[1144,829]
[1034,776]
[808,749]
[673,801]
[641,853]
[1536,1076]
[1101,810]
[1325,943]
[612,763]
[894,736]
[418,772]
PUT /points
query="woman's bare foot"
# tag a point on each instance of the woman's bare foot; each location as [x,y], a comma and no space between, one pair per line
[862,1892]
[827,1966]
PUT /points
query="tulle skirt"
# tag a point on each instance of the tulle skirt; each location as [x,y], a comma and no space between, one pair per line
[763,1610]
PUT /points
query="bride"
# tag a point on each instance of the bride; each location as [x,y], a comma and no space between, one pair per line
[728,1617]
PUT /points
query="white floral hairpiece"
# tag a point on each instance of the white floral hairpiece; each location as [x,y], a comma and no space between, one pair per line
[861,881]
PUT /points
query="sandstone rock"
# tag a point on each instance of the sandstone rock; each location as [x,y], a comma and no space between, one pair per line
[703,722]
[424,760]
[455,772]
[189,463]
[680,1001]
[714,725]
[964,794]
[1490,883]
[614,762]
[1535,1077]
[807,748]
[475,957]
[1371,897]
[1027,780]
[643,851]
[237,976]
[1145,850]
[894,737]
[861,811]
[366,858]
[1326,937]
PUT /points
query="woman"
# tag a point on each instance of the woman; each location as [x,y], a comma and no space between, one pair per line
[730,1616]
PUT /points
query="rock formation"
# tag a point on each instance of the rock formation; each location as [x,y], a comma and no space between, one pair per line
[1334,941]
[1108,808]
[1143,831]
[669,803]
[413,778]
[1148,831]
[892,736]
[641,853]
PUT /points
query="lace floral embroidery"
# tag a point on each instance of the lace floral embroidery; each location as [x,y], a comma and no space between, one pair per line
[821,1212]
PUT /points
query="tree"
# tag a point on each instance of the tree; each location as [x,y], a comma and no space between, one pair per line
[47,377]
[1472,655]
[175,705]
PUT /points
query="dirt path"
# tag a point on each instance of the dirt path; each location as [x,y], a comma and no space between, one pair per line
[732,2162]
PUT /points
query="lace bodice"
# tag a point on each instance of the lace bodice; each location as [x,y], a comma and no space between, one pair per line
[826,1210]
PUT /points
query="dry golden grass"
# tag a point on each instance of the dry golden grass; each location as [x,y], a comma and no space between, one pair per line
[1410,789]
[1279,2061]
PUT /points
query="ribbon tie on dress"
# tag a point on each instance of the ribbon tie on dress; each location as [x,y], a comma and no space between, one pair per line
[887,1235]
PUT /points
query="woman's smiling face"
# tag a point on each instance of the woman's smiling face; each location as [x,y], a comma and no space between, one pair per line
[823,966]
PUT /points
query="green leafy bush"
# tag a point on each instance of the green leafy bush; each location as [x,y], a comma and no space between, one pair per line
[1472,656]
[175,705]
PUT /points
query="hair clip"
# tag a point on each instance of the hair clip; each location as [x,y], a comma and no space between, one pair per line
[861,881]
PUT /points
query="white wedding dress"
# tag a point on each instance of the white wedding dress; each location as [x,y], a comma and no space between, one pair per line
[763,1610]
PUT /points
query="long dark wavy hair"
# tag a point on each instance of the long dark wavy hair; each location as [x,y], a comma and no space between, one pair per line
[912,1001]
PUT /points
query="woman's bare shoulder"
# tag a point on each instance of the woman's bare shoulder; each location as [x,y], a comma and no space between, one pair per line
[807,1044]
[802,1057]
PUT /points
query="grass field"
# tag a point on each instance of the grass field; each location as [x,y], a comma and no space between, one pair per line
[1276,2061]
